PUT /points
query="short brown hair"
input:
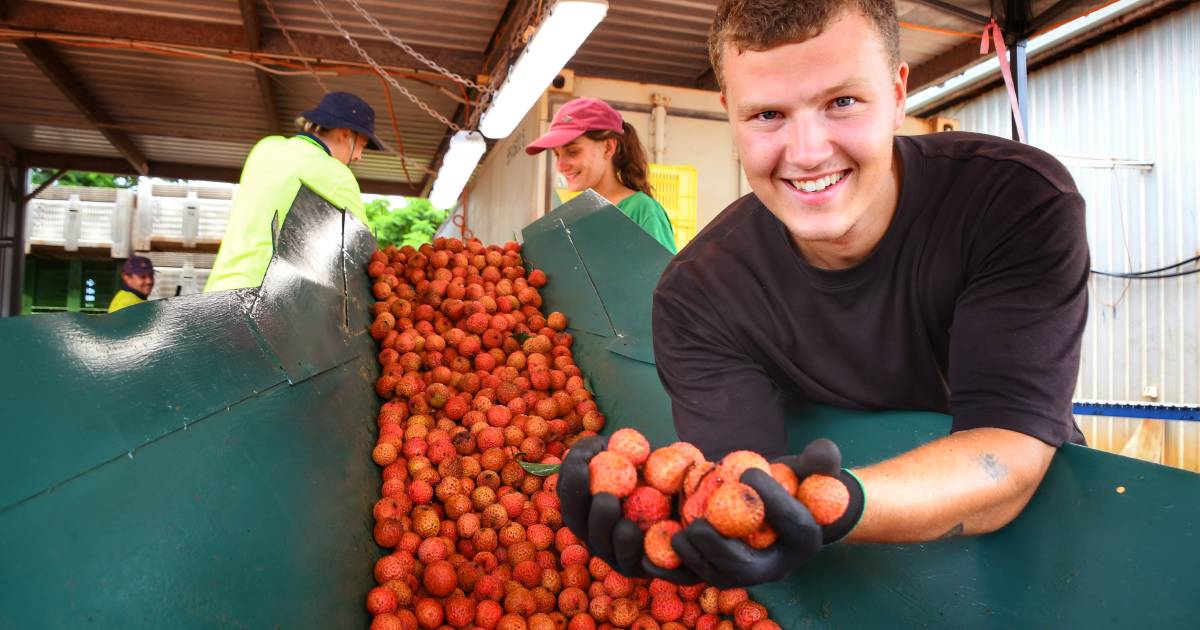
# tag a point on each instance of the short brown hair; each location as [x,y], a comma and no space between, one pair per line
[764,24]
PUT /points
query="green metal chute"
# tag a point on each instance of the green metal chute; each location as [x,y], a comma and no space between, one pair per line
[199,461]
[202,461]
[1107,541]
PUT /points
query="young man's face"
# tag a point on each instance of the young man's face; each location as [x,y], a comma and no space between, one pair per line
[142,284]
[813,123]
[348,147]
[584,162]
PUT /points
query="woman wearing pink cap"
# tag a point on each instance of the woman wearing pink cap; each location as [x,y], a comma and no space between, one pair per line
[594,148]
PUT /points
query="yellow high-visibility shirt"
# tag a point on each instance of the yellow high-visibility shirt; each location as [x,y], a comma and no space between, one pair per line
[122,299]
[270,180]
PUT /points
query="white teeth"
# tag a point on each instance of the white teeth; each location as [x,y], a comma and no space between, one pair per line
[816,185]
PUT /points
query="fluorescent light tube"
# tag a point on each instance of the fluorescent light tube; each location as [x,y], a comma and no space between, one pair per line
[463,155]
[551,47]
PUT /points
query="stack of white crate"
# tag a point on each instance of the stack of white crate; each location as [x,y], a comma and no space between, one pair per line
[166,222]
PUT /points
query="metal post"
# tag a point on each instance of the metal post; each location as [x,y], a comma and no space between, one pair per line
[18,279]
[1017,16]
[1020,73]
[12,237]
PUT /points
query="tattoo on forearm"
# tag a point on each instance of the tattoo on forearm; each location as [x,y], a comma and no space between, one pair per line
[955,531]
[993,467]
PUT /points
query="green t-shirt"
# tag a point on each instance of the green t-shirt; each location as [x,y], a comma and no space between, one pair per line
[647,212]
[270,180]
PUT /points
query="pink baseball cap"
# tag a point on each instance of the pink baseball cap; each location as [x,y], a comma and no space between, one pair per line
[575,118]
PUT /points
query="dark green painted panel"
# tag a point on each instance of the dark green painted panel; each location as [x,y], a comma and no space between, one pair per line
[80,390]
[1081,555]
[570,283]
[192,484]
[299,310]
[616,254]
[253,517]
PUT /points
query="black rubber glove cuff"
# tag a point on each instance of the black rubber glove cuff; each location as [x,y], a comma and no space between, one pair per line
[842,527]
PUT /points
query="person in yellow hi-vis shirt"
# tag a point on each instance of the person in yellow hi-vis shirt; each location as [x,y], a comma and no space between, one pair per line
[137,281]
[332,136]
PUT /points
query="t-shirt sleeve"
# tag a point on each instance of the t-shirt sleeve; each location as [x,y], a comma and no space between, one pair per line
[1018,323]
[721,400]
[647,212]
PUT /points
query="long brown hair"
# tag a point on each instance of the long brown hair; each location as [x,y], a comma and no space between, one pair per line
[629,160]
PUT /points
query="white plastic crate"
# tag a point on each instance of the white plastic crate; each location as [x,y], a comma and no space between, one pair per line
[71,218]
[180,214]
[185,271]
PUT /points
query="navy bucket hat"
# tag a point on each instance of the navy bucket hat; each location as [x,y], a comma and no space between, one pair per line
[343,110]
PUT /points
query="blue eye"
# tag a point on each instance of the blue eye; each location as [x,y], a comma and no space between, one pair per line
[844,101]
[769,115]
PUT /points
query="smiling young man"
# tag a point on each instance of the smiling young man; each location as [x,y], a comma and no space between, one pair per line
[945,272]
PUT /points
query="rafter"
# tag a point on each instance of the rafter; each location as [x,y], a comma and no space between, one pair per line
[253,28]
[7,151]
[178,170]
[53,67]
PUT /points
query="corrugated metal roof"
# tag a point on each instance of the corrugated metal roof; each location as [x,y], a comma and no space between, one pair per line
[455,24]
[226,11]
[192,96]
[210,112]
[58,139]
[28,97]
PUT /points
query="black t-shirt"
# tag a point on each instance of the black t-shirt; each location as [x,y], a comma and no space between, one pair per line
[973,304]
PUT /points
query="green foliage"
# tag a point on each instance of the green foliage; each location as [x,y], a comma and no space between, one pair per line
[413,224]
[80,178]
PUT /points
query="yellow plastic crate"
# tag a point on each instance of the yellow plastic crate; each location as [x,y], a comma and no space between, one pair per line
[677,188]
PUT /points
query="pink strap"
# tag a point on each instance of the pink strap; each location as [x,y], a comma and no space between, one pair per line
[1002,55]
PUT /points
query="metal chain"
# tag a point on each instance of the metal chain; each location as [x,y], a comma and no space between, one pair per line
[379,69]
[295,48]
[410,50]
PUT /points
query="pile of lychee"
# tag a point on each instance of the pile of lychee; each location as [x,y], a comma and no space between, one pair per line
[482,398]
[649,483]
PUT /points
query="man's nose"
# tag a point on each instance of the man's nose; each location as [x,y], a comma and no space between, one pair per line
[809,145]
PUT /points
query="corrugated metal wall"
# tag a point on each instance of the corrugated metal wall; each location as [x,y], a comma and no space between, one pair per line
[1134,97]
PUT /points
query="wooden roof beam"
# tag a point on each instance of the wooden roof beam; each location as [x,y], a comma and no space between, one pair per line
[944,66]
[253,28]
[177,170]
[8,153]
[52,66]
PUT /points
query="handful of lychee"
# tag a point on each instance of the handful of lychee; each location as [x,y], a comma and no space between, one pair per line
[648,481]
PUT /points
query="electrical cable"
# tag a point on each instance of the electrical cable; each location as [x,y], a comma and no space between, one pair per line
[387,93]
[1131,276]
[1136,274]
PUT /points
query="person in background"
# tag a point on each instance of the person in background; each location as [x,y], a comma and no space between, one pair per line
[137,281]
[332,136]
[594,148]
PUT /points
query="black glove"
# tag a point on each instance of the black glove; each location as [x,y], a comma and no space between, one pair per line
[727,562]
[599,521]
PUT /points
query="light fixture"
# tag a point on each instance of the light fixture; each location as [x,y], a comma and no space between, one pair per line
[466,148]
[551,47]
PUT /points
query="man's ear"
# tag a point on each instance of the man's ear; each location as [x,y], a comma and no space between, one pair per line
[900,85]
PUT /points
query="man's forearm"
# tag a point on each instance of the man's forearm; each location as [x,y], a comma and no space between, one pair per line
[970,482]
